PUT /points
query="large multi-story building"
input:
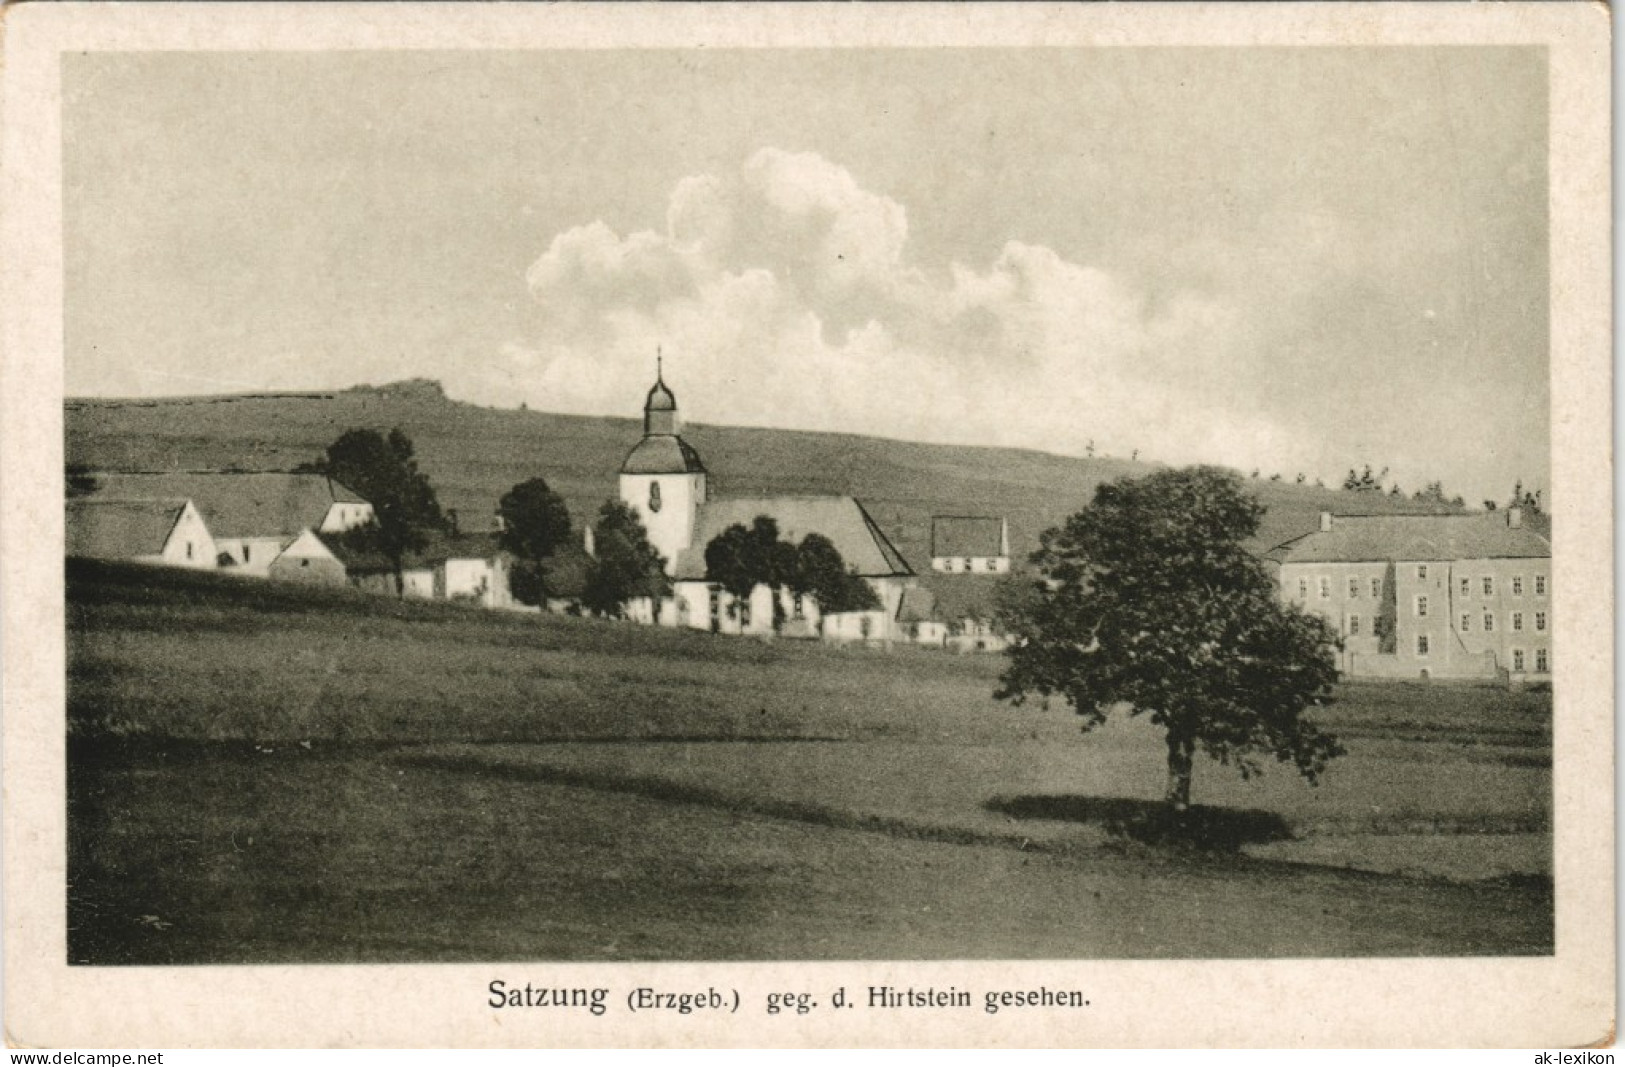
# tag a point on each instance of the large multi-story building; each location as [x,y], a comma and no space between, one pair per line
[1432,596]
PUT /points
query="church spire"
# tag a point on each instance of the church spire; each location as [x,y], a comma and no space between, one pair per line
[660,408]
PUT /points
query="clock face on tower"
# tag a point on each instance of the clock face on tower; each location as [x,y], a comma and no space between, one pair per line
[654,497]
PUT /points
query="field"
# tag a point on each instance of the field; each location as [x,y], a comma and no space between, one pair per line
[260,773]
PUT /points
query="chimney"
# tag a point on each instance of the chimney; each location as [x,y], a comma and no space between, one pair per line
[587,542]
[1514,518]
[1325,521]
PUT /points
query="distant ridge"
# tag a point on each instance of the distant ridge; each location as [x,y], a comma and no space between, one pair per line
[475,454]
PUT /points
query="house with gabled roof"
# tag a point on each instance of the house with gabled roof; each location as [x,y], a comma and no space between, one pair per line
[468,567]
[1430,596]
[169,532]
[253,515]
[970,544]
[664,481]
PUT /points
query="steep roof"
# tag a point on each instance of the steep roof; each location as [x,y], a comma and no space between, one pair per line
[662,454]
[842,519]
[1374,538]
[918,604]
[236,503]
[120,529]
[967,535]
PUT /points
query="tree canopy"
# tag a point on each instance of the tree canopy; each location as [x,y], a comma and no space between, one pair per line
[625,565]
[535,520]
[1150,598]
[821,573]
[383,471]
[742,557]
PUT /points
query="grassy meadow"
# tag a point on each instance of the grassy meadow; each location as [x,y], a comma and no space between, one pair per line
[269,773]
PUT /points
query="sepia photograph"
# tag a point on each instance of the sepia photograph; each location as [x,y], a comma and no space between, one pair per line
[557,508]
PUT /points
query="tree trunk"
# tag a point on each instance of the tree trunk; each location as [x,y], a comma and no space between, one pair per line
[1180,752]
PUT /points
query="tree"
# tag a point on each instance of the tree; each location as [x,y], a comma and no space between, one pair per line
[740,558]
[822,574]
[81,480]
[1528,501]
[535,520]
[1149,598]
[535,524]
[383,471]
[1364,481]
[625,565]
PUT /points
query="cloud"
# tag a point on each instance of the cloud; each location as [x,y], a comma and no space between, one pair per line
[783,295]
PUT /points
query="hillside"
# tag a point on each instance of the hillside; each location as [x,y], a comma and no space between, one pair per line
[475,454]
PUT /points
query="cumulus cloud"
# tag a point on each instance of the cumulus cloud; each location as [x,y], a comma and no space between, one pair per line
[783,295]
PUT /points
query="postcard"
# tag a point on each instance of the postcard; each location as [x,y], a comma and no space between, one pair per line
[807,525]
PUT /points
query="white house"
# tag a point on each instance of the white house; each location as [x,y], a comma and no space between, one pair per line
[307,559]
[970,544]
[168,532]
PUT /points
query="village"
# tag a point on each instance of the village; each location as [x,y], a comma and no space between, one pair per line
[1430,596]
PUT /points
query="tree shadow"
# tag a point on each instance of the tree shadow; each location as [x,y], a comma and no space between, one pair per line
[1151,822]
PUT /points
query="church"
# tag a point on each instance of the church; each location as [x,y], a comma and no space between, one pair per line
[664,481]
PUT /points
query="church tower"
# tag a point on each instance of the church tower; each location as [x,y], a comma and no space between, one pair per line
[663,479]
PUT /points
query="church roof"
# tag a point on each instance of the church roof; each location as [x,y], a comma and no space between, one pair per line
[662,454]
[1378,538]
[842,519]
[918,604]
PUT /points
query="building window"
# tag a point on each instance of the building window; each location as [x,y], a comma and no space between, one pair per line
[1421,607]
[245,553]
[1540,585]
[1517,585]
[1303,589]
[1354,587]
[1421,644]
[188,550]
[1354,626]
[1376,588]
[1517,622]
[1517,659]
[1540,621]
[800,607]
[654,497]
[1466,587]
[1543,662]
[1466,622]
[1489,586]
[1421,572]
[1325,588]
[1489,623]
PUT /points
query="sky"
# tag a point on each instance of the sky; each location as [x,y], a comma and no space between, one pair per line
[1290,260]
